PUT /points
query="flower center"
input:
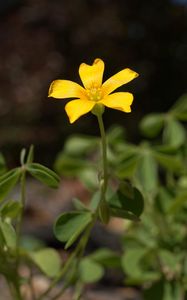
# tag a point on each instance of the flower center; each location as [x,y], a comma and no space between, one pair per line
[94,94]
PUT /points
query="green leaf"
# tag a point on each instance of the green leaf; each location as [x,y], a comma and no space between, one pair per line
[147,172]
[95,200]
[104,212]
[89,178]
[122,213]
[180,108]
[70,225]
[8,233]
[106,257]
[170,260]
[44,174]
[22,156]
[115,134]
[169,162]
[90,271]
[78,145]
[47,260]
[131,261]
[130,202]
[79,205]
[174,134]
[70,166]
[30,156]
[127,167]
[178,202]
[152,124]
[164,200]
[8,181]
[165,149]
[11,209]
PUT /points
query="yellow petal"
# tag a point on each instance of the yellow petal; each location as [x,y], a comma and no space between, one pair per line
[118,80]
[119,101]
[92,75]
[76,108]
[65,89]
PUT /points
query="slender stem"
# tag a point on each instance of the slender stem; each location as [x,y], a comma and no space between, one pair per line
[30,281]
[61,273]
[23,199]
[79,250]
[16,291]
[18,229]
[104,154]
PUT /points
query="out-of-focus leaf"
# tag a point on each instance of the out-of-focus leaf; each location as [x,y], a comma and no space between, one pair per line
[104,212]
[22,156]
[126,203]
[147,172]
[170,260]
[10,209]
[106,257]
[174,133]
[8,181]
[152,124]
[169,162]
[69,226]
[180,108]
[79,205]
[164,199]
[30,156]
[89,178]
[48,261]
[126,168]
[122,213]
[70,166]
[178,202]
[115,134]
[132,264]
[78,145]
[165,149]
[44,174]
[31,243]
[8,233]
[90,271]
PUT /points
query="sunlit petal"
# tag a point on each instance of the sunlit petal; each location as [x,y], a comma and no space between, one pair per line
[118,80]
[119,101]
[76,108]
[92,75]
[65,89]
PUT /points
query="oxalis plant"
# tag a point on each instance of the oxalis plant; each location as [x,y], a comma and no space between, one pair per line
[113,197]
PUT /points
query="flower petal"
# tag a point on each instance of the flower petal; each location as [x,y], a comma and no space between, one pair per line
[65,89]
[118,80]
[76,108]
[92,75]
[119,101]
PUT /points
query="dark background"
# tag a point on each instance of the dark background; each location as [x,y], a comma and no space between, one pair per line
[43,40]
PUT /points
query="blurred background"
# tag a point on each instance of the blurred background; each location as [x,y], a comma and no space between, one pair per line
[43,40]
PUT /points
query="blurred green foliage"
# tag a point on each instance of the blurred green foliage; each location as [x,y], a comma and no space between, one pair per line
[155,254]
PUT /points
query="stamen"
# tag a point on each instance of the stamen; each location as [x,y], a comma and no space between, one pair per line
[94,94]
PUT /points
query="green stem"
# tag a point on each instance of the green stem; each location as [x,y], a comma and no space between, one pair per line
[61,273]
[104,155]
[79,250]
[20,221]
[18,230]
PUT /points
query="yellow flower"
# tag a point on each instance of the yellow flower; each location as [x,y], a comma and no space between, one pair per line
[94,92]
